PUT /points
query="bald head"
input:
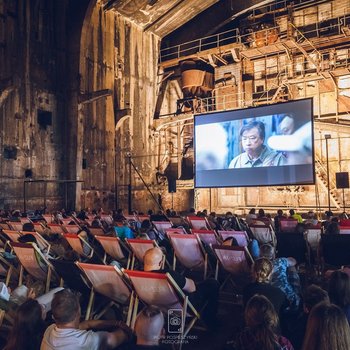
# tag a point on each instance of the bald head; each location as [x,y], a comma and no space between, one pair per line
[153,259]
[149,326]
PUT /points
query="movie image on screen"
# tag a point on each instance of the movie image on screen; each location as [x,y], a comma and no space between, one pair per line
[259,146]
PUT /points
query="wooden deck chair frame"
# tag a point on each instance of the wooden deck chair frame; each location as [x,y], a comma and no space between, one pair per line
[112,247]
[116,274]
[176,297]
[39,227]
[48,218]
[220,262]
[56,228]
[178,254]
[134,255]
[72,236]
[37,269]
[15,225]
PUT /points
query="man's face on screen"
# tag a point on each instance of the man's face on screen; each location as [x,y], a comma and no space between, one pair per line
[252,142]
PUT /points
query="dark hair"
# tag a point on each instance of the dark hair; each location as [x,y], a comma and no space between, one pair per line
[28,226]
[254,124]
[261,213]
[27,238]
[339,288]
[146,224]
[291,211]
[28,328]
[314,295]
[64,306]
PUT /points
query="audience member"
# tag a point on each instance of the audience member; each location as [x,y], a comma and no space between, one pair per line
[284,275]
[312,296]
[311,219]
[339,291]
[149,329]
[261,322]
[262,274]
[69,333]
[28,328]
[251,216]
[277,220]
[333,227]
[203,293]
[327,328]
[295,216]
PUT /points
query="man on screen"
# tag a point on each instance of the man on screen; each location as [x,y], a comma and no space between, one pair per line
[255,154]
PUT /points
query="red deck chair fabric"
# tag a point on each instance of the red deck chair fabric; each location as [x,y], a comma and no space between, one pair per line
[188,250]
[234,260]
[28,255]
[107,280]
[344,230]
[4,226]
[76,242]
[263,234]
[160,289]
[140,218]
[344,222]
[198,223]
[241,237]
[177,230]
[139,247]
[12,235]
[161,226]
[48,218]
[209,237]
[112,247]
[16,226]
[38,227]
[56,228]
[71,228]
[96,231]
[25,220]
[288,225]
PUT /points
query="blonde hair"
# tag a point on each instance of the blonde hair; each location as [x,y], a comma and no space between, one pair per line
[262,268]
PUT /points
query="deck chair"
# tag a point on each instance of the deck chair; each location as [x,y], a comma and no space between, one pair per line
[67,221]
[241,237]
[312,237]
[25,220]
[28,255]
[42,243]
[198,223]
[78,243]
[178,230]
[161,290]
[71,228]
[140,218]
[112,247]
[7,269]
[38,227]
[107,219]
[288,225]
[15,225]
[209,237]
[344,230]
[109,281]
[138,248]
[161,226]
[263,234]
[56,228]
[96,231]
[190,252]
[344,222]
[45,300]
[4,226]
[177,220]
[234,260]
[48,218]
[10,236]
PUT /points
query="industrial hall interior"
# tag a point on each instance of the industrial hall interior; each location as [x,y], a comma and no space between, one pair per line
[174,174]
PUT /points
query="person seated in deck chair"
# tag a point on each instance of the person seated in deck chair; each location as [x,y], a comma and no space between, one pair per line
[199,294]
[149,329]
[69,333]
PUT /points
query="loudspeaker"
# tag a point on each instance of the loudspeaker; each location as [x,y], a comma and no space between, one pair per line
[342,180]
[171,185]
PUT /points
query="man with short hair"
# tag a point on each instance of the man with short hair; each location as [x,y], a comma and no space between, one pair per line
[69,333]
[149,328]
[255,154]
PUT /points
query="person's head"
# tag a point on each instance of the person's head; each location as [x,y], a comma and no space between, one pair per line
[153,259]
[28,326]
[28,226]
[312,296]
[333,228]
[27,238]
[252,136]
[327,328]
[339,288]
[230,241]
[261,213]
[65,308]
[149,326]
[287,125]
[292,212]
[262,270]
[267,251]
[252,211]
[279,212]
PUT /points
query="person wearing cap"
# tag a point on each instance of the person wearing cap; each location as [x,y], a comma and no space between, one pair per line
[255,154]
